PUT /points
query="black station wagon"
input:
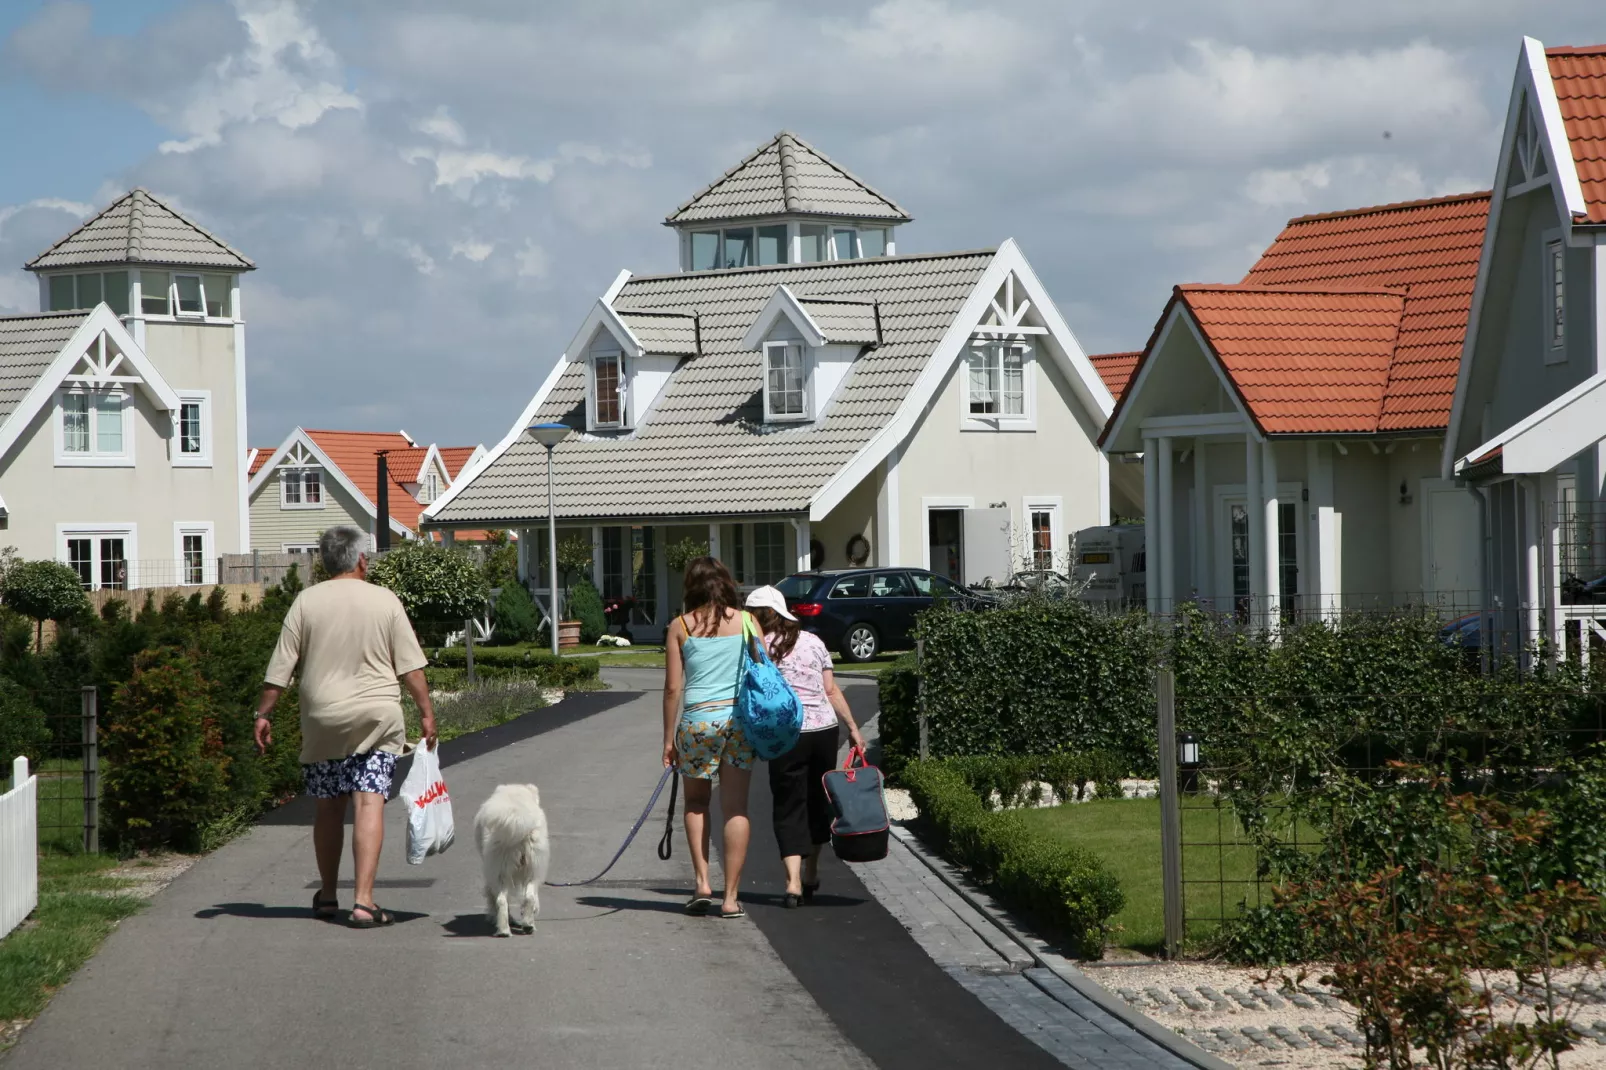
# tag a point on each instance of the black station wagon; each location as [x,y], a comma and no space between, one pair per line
[860,612]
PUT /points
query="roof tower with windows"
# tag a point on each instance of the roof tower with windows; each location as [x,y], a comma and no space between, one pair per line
[786,203]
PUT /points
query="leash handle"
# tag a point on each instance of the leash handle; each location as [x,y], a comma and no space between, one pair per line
[666,844]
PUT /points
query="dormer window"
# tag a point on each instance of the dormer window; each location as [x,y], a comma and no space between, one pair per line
[607,390]
[785,382]
[997,380]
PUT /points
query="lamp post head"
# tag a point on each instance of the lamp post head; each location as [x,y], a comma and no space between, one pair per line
[548,435]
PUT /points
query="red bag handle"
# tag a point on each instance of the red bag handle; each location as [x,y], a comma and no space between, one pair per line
[854,753]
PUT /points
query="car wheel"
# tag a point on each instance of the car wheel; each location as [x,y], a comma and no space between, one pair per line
[860,643]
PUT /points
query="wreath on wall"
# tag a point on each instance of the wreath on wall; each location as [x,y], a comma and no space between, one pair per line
[858,550]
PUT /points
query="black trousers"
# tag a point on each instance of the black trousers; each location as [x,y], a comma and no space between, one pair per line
[802,813]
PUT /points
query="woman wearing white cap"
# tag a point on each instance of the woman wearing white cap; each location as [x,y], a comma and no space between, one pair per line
[802,813]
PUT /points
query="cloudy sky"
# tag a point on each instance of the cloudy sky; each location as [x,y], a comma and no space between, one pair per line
[435,193]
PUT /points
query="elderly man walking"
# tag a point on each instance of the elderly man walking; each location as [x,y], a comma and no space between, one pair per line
[352,641]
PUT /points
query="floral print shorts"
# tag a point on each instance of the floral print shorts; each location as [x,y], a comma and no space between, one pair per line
[704,746]
[371,771]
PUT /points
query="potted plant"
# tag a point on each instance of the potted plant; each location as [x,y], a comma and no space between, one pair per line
[574,559]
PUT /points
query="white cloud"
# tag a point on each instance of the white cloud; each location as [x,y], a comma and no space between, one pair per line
[441,126]
[1280,187]
[532,261]
[472,249]
[56,204]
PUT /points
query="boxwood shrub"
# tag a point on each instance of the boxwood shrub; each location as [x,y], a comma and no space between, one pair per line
[1063,888]
[523,662]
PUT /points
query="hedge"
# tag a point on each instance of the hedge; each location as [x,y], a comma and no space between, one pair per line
[1062,887]
[520,662]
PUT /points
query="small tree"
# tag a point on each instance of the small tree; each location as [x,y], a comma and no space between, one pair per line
[517,619]
[585,606]
[680,554]
[501,560]
[574,558]
[438,586]
[44,590]
[22,725]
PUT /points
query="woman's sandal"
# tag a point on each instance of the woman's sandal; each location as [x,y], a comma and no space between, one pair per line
[325,909]
[377,916]
[731,915]
[699,905]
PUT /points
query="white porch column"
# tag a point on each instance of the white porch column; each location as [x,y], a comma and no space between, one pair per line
[1550,508]
[1533,574]
[1151,524]
[1256,525]
[1273,559]
[596,557]
[1168,538]
[801,537]
[1202,584]
[1324,527]
[713,541]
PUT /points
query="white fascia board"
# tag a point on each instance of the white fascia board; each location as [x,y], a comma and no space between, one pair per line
[602,317]
[1521,85]
[783,303]
[433,454]
[483,460]
[250,457]
[1179,314]
[1065,351]
[1562,165]
[101,318]
[1084,378]
[1550,435]
[614,287]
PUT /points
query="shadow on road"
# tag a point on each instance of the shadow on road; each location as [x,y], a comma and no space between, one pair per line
[261,911]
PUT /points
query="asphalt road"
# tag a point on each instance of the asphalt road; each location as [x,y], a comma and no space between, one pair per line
[227,969]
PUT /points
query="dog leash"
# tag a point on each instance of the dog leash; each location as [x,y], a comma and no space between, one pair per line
[665,845]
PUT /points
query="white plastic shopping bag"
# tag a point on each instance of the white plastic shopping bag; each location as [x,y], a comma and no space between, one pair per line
[429,808]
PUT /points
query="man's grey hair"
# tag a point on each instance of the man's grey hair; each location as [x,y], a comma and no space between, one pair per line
[340,547]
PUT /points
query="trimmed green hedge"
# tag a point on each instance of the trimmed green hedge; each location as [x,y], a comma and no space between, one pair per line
[519,663]
[1063,887]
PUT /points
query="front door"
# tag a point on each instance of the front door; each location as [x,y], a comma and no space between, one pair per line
[946,531]
[1452,572]
[1232,527]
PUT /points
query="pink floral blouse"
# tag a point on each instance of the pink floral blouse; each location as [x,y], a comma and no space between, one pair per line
[804,668]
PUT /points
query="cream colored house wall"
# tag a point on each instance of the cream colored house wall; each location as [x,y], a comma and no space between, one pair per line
[274,527]
[1057,459]
[151,496]
[855,515]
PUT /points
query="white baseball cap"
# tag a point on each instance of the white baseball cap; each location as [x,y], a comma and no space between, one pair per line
[769,598]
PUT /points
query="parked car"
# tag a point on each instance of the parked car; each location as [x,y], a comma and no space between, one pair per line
[860,612]
[1466,633]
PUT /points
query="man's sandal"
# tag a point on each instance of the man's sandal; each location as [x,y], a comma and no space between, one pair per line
[377,916]
[325,909]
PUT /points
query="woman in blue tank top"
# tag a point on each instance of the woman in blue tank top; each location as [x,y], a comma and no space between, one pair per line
[702,661]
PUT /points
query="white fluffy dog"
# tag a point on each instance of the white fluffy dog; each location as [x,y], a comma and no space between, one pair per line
[510,831]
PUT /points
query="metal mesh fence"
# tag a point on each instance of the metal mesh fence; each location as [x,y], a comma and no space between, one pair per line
[69,771]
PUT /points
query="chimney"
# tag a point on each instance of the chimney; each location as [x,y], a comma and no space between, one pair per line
[382,521]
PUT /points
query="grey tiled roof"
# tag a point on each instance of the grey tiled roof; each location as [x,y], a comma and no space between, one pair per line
[140,229]
[787,176]
[705,448]
[674,333]
[27,346]
[845,320]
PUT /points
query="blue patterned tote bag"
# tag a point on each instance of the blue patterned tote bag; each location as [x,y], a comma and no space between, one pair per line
[769,711]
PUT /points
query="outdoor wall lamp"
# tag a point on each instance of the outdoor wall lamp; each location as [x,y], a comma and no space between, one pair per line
[1188,761]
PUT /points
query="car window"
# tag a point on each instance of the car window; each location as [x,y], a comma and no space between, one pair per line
[892,585]
[946,588]
[796,588]
[923,583]
[852,587]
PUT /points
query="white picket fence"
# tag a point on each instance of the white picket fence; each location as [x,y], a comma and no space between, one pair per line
[19,848]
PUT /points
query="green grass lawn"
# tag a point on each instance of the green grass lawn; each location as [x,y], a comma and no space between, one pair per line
[75,914]
[491,702]
[1125,834]
[61,806]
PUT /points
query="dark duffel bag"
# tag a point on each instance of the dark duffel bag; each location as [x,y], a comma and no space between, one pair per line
[859,829]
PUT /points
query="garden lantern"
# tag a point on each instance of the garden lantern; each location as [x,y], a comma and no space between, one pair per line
[549,435]
[1188,761]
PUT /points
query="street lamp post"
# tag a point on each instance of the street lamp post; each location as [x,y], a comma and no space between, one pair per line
[549,435]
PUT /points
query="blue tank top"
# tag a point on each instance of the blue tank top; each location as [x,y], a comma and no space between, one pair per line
[711,663]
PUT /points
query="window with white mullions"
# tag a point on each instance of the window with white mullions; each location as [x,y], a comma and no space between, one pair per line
[1556,264]
[193,559]
[92,424]
[301,488]
[188,290]
[769,552]
[785,395]
[99,560]
[1239,520]
[189,427]
[607,390]
[1042,540]
[81,559]
[997,379]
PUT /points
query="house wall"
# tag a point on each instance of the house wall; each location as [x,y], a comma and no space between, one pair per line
[854,515]
[1058,458]
[151,495]
[274,527]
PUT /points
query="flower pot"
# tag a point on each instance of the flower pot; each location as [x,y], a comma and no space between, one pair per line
[568,634]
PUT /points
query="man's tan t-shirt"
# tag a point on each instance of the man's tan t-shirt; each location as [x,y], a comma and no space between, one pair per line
[352,640]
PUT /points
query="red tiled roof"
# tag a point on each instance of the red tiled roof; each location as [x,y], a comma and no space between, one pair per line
[1304,359]
[263,455]
[1579,75]
[1115,369]
[355,453]
[456,457]
[1427,249]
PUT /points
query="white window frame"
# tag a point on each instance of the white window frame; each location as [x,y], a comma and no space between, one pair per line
[94,458]
[284,494]
[298,547]
[805,355]
[1228,494]
[1054,505]
[205,529]
[1555,347]
[1026,420]
[127,531]
[618,358]
[203,459]
[136,302]
[200,290]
